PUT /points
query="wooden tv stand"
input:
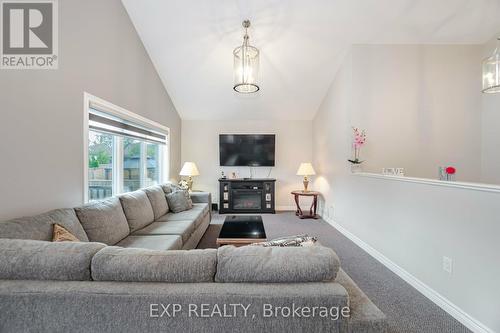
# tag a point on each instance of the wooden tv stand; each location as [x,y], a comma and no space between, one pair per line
[247,195]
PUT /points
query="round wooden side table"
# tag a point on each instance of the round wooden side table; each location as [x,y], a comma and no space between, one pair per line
[312,210]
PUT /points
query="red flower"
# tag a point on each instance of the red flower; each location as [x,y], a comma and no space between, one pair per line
[451,170]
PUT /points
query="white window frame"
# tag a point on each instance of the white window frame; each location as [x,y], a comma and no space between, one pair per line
[112,109]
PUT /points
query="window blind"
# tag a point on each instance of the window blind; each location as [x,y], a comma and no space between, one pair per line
[112,125]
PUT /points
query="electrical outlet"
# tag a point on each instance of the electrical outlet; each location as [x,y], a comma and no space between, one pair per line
[447,264]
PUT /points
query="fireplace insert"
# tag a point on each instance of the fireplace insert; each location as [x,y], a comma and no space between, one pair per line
[247,199]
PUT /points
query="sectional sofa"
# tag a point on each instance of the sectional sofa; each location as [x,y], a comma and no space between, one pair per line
[139,277]
[135,219]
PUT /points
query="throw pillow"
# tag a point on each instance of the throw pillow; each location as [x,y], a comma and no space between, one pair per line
[170,187]
[299,240]
[179,201]
[60,234]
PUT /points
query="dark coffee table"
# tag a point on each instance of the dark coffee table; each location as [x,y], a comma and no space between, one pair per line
[239,230]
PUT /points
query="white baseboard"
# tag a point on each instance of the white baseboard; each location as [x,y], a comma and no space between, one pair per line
[460,315]
[286,208]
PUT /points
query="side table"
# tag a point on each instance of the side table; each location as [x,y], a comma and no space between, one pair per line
[312,211]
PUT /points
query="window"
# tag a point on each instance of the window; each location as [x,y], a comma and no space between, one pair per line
[125,152]
[100,169]
[153,164]
[132,164]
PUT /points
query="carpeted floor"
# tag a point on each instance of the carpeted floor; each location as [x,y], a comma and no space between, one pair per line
[406,309]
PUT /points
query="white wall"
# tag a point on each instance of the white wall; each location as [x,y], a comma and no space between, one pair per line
[200,144]
[41,127]
[413,225]
[420,106]
[490,129]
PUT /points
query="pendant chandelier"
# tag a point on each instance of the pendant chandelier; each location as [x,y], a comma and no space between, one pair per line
[246,65]
[491,72]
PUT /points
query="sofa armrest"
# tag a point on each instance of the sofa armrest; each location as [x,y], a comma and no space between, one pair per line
[202,197]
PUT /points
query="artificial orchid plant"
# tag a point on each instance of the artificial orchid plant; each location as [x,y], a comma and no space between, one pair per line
[359,139]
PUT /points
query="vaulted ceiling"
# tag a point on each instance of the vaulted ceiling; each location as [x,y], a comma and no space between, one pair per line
[302,43]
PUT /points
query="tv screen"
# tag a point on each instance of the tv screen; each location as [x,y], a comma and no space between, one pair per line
[246,150]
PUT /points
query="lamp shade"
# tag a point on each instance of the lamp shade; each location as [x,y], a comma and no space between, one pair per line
[189,169]
[305,169]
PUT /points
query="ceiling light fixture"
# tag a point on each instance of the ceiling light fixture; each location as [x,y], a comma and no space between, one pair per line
[246,65]
[491,71]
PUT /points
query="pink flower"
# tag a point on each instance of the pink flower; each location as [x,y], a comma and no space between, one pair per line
[359,137]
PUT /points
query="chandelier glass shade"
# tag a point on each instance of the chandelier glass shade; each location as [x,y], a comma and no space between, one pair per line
[491,72]
[246,65]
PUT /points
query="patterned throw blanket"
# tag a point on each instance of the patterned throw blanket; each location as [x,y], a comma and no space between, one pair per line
[299,240]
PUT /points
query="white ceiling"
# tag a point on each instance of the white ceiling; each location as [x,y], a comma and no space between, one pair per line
[301,42]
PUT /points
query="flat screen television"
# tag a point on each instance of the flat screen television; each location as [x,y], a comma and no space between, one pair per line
[252,150]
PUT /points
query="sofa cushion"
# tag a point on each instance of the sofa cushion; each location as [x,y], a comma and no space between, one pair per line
[195,214]
[137,265]
[104,221]
[179,201]
[276,264]
[201,206]
[60,234]
[153,242]
[158,200]
[40,227]
[182,228]
[22,259]
[137,209]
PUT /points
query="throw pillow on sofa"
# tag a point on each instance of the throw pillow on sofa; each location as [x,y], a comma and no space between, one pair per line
[299,240]
[179,201]
[170,187]
[60,234]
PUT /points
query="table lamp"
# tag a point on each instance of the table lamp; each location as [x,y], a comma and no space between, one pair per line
[305,169]
[189,169]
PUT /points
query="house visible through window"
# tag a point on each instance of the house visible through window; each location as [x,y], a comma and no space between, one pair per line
[123,156]
[100,179]
[132,164]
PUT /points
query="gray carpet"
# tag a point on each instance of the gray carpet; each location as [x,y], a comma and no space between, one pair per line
[406,309]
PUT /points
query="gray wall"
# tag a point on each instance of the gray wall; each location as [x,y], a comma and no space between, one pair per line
[41,126]
[412,224]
